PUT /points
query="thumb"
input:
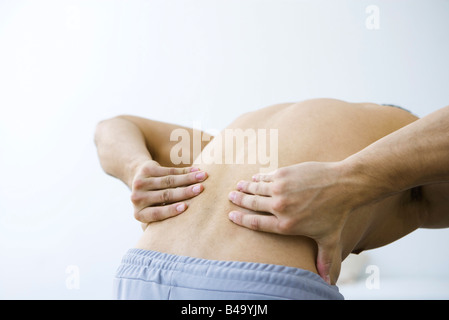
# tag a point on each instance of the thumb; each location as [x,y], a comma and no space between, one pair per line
[325,257]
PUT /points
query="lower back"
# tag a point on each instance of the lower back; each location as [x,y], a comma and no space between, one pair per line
[204,230]
[318,130]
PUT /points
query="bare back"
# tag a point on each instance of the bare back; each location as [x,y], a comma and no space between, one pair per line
[314,130]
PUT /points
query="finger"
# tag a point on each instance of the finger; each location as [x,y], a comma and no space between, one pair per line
[258,222]
[160,171]
[257,188]
[174,194]
[169,181]
[326,253]
[152,214]
[267,177]
[142,199]
[252,202]
[172,181]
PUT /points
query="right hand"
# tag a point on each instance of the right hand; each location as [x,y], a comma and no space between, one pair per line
[311,199]
[158,192]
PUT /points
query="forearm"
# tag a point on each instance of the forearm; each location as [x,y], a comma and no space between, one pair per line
[417,154]
[121,148]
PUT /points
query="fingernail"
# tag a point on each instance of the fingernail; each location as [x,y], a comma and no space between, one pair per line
[240,185]
[200,176]
[232,215]
[232,196]
[254,177]
[181,207]
[196,189]
[194,169]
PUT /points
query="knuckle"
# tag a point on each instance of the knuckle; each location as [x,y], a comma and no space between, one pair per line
[255,203]
[136,197]
[169,181]
[187,192]
[278,187]
[155,214]
[146,170]
[139,216]
[280,173]
[257,188]
[285,226]
[279,204]
[138,183]
[191,177]
[166,196]
[254,223]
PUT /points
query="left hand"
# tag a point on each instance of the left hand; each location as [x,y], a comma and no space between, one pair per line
[159,192]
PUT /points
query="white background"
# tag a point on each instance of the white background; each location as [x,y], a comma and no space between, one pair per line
[66,65]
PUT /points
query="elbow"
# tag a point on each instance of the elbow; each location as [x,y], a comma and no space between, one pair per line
[102,128]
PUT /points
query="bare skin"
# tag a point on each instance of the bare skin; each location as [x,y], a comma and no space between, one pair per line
[317,196]
[322,130]
[126,147]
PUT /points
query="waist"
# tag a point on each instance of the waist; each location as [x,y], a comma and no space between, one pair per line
[211,235]
[194,278]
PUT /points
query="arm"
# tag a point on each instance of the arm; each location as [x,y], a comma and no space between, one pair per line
[314,199]
[415,155]
[132,149]
[121,148]
[125,142]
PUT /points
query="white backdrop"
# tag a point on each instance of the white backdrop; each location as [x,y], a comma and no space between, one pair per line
[65,65]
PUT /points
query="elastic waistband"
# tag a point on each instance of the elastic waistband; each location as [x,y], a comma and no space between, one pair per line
[175,270]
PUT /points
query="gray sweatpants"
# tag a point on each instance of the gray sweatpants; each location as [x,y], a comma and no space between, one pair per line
[145,274]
